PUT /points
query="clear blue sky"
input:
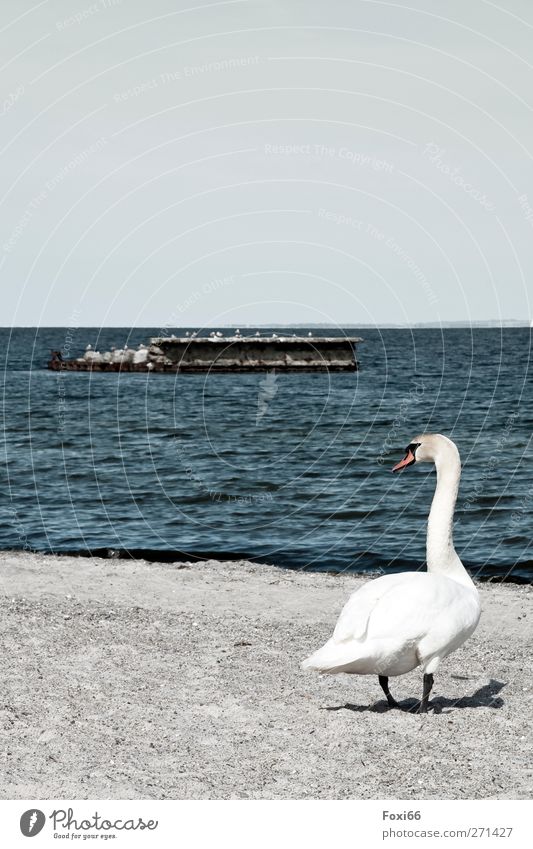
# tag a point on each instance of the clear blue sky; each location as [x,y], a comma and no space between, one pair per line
[265,162]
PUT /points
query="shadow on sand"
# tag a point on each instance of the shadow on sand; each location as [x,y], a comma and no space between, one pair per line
[486,696]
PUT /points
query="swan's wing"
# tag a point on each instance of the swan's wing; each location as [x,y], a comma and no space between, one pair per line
[355,615]
[425,605]
[407,605]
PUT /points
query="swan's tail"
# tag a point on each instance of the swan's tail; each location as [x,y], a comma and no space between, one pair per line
[334,657]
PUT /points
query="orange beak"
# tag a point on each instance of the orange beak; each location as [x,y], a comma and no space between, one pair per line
[407,460]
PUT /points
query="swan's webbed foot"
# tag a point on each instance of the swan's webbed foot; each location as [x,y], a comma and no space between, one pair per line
[428,684]
[384,683]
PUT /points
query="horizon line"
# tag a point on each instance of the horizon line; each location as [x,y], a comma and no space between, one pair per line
[489,323]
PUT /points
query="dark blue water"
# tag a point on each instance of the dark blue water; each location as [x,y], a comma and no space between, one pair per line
[294,470]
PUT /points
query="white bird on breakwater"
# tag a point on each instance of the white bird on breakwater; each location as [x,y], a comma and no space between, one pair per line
[396,623]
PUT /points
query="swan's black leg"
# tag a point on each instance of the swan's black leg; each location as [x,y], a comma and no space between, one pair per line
[428,684]
[384,682]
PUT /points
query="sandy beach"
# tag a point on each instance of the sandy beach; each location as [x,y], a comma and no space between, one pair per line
[128,679]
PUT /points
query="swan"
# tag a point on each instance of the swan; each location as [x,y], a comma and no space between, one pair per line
[395,623]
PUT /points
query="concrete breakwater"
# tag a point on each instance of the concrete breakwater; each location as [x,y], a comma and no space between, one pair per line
[221,353]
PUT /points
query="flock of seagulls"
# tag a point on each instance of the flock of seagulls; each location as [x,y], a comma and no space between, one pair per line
[127,356]
[140,355]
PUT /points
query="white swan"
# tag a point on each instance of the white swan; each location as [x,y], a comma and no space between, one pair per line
[398,622]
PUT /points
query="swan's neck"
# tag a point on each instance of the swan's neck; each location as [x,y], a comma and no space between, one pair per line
[441,555]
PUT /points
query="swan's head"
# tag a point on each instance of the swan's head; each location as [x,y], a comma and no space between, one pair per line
[426,448]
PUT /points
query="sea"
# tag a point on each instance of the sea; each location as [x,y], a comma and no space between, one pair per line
[283,468]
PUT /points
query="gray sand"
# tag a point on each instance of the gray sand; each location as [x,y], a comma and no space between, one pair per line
[136,680]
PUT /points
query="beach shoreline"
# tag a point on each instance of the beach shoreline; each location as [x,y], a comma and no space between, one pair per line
[131,679]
